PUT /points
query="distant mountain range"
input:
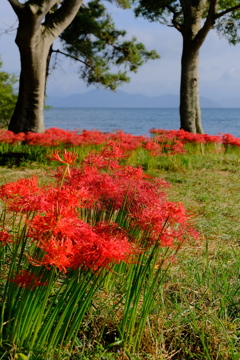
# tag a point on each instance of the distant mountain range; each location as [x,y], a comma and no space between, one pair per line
[231,102]
[99,98]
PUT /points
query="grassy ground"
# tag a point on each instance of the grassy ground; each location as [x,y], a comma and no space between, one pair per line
[203,292]
[197,314]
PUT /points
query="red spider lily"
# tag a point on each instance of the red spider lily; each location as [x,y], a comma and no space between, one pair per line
[113,151]
[176,148]
[230,140]
[10,138]
[28,280]
[108,158]
[5,238]
[106,190]
[61,200]
[102,254]
[100,161]
[125,142]
[68,157]
[56,253]
[154,147]
[146,204]
[21,196]
[68,242]
[186,137]
[57,226]
[108,245]
[100,187]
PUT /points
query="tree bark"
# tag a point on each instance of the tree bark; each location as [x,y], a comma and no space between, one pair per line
[193,37]
[190,111]
[38,27]
[28,114]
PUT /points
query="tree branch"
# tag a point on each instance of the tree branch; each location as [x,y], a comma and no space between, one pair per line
[227,11]
[212,16]
[62,17]
[17,6]
[47,5]
[74,58]
[176,15]
[209,22]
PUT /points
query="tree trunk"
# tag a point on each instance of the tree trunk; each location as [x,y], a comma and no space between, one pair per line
[40,23]
[28,114]
[193,36]
[190,112]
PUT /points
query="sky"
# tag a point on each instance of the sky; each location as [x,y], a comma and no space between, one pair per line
[219,61]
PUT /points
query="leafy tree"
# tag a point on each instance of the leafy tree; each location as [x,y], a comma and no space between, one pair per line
[8,96]
[93,40]
[40,23]
[193,19]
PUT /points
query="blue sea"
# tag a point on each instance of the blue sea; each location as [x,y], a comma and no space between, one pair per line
[138,121]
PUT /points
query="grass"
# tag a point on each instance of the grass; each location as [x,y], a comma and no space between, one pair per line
[202,294]
[197,312]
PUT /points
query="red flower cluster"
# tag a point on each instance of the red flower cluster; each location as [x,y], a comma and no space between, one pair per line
[109,157]
[91,218]
[55,137]
[8,137]
[26,279]
[68,242]
[164,142]
[22,195]
[5,237]
[228,139]
[162,136]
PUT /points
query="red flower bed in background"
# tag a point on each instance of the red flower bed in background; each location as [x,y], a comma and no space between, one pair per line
[164,142]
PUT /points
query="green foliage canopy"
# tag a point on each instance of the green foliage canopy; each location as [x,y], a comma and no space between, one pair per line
[93,40]
[225,14]
[8,96]
[228,25]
